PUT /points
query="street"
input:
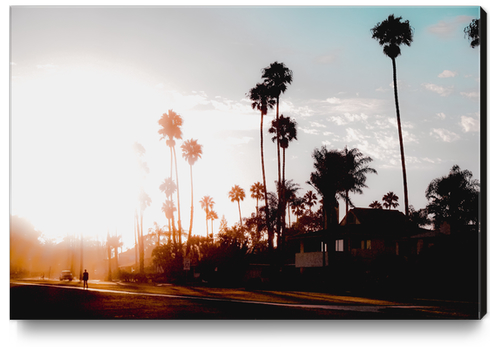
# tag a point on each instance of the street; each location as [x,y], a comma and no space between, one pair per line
[37,299]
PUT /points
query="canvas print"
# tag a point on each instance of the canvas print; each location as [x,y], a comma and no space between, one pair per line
[257,163]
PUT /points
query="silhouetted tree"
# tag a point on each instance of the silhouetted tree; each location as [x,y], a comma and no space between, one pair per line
[310,199]
[145,201]
[168,187]
[171,124]
[390,200]
[376,204]
[419,217]
[207,204]
[262,100]
[454,199]
[356,167]
[277,77]
[472,32]
[391,33]
[212,216]
[237,194]
[257,192]
[168,208]
[328,180]
[191,151]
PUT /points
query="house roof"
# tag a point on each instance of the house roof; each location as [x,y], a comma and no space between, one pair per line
[374,217]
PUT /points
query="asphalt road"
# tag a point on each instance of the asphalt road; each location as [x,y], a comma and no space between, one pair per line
[40,300]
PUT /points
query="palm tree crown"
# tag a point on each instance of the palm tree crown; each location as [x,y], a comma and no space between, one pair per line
[261,98]
[191,151]
[391,33]
[237,194]
[171,124]
[390,200]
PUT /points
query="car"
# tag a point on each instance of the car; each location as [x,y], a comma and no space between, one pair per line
[66,275]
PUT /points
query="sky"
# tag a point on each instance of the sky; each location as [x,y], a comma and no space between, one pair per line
[87,83]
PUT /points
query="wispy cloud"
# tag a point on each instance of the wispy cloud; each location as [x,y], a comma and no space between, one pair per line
[447,74]
[448,28]
[444,134]
[442,91]
[239,141]
[330,57]
[441,115]
[471,95]
[470,124]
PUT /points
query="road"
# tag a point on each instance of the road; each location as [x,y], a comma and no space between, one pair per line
[37,299]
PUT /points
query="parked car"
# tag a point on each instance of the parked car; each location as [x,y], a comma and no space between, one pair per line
[66,275]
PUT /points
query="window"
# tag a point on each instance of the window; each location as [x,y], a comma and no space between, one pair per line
[366,244]
[339,245]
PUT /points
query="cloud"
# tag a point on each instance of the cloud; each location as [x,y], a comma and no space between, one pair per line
[447,74]
[448,28]
[239,141]
[309,131]
[441,115]
[442,91]
[334,100]
[470,124]
[329,58]
[471,95]
[444,134]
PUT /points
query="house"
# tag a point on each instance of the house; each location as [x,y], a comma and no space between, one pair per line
[362,236]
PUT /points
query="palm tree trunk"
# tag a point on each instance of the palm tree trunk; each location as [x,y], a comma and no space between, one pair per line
[270,234]
[207,215]
[109,257]
[179,223]
[402,151]
[279,182]
[136,232]
[192,205]
[239,212]
[142,246]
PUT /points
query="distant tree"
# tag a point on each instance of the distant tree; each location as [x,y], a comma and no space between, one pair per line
[391,34]
[191,151]
[310,199]
[263,100]
[290,191]
[376,204]
[298,206]
[390,200]
[145,201]
[454,199]
[356,167]
[419,217]
[168,208]
[171,124]
[207,204]
[257,192]
[212,216]
[237,194]
[168,187]
[472,32]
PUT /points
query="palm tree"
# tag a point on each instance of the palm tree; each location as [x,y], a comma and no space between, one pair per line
[212,216]
[290,189]
[276,78]
[168,208]
[191,151]
[472,32]
[145,201]
[390,200]
[310,199]
[391,33]
[298,206]
[207,204]
[237,194]
[168,187]
[171,124]
[376,204]
[114,242]
[257,190]
[262,100]
[356,166]
[328,180]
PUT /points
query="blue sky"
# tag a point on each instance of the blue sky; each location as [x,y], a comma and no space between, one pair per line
[88,82]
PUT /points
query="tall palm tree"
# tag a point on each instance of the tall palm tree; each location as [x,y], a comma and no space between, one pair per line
[390,200]
[356,166]
[168,187]
[290,189]
[145,201]
[391,33]
[191,151]
[171,124]
[262,100]
[237,194]
[258,193]
[168,208]
[472,32]
[114,242]
[277,77]
[207,204]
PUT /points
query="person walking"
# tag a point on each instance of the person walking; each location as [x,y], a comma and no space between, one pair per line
[85,279]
